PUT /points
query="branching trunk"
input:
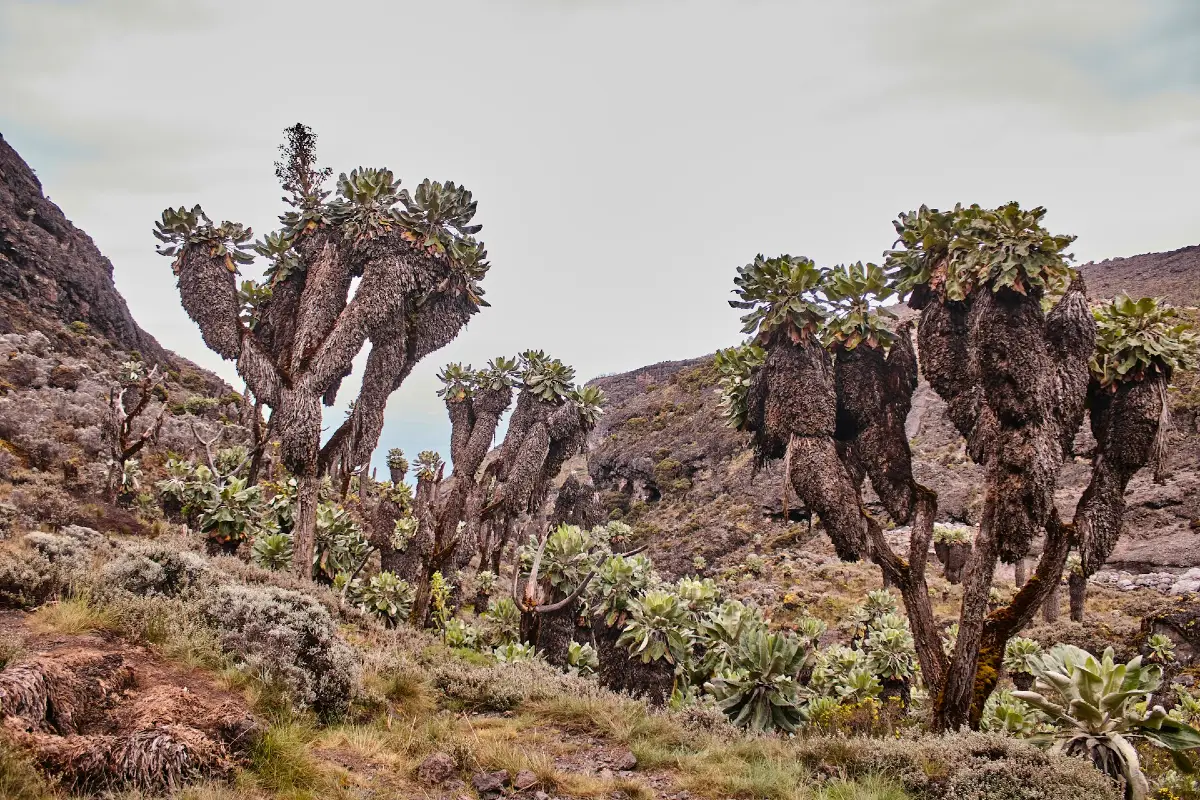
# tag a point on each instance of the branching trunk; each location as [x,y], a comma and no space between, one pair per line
[309,332]
[1004,623]
[123,443]
[1031,374]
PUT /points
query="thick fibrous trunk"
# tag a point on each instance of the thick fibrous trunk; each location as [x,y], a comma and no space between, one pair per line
[1126,423]
[304,534]
[1077,587]
[310,330]
[836,426]
[473,539]
[552,632]
[208,290]
[526,468]
[1031,373]
[576,504]
[621,673]
[942,339]
[326,286]
[473,428]
[793,413]
[874,396]
[1010,362]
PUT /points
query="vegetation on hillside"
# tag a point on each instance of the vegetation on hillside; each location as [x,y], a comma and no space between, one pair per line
[484,616]
[831,396]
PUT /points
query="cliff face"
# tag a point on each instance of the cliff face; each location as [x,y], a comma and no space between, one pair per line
[51,270]
[663,458]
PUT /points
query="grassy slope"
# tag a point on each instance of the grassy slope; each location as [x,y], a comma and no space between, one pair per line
[418,697]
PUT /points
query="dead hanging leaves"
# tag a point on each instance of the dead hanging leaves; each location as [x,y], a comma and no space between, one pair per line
[100,722]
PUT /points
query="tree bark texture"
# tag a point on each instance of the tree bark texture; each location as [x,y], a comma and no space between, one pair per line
[1077,588]
[304,531]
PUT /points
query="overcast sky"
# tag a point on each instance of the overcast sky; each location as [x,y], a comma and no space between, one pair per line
[627,155]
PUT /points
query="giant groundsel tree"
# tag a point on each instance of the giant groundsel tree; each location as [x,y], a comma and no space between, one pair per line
[418,266]
[1007,340]
[549,425]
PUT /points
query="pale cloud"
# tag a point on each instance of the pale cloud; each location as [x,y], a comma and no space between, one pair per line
[626,156]
[1101,65]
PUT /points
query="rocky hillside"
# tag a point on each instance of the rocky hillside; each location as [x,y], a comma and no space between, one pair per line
[1174,275]
[65,331]
[51,270]
[665,461]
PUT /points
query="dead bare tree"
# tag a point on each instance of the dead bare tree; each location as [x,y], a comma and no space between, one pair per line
[127,400]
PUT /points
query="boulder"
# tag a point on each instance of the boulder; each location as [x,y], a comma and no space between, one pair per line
[437,769]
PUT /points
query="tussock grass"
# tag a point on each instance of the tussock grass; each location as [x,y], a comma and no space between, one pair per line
[406,689]
[653,738]
[11,649]
[73,615]
[281,761]
[870,788]
[750,769]
[370,743]
[707,763]
[19,779]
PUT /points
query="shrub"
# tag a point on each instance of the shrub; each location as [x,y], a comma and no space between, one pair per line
[891,654]
[497,688]
[287,637]
[230,511]
[65,552]
[514,652]
[461,634]
[1021,655]
[196,405]
[951,534]
[582,659]
[1139,337]
[762,693]
[969,766]
[502,621]
[340,545]
[155,569]
[1160,649]
[658,628]
[27,577]
[46,503]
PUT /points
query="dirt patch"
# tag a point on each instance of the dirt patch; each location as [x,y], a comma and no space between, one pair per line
[105,714]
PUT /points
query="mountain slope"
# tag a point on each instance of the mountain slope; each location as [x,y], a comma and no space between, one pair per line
[49,269]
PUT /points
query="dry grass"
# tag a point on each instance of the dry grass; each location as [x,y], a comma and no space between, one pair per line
[11,649]
[19,780]
[714,764]
[73,616]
